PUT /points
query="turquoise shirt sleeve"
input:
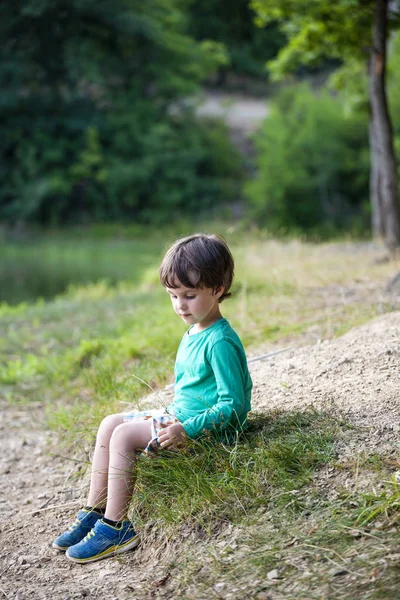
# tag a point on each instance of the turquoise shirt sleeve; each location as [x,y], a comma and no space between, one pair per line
[230,387]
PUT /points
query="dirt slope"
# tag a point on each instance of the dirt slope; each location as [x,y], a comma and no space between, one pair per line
[357,375]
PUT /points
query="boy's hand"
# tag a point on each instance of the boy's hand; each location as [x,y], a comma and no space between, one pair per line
[172,436]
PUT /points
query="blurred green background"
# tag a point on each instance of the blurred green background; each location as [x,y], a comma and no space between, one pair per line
[104,127]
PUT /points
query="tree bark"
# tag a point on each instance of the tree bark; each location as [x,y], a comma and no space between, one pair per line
[374,186]
[382,150]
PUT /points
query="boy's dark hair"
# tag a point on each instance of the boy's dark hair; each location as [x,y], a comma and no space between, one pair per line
[198,260]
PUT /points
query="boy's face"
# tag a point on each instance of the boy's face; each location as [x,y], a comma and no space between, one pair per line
[196,306]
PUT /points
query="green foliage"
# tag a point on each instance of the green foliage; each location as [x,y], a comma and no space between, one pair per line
[232,24]
[94,124]
[342,32]
[89,349]
[317,30]
[18,371]
[312,163]
[182,167]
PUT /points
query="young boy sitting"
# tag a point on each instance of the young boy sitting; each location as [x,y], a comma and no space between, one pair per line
[211,397]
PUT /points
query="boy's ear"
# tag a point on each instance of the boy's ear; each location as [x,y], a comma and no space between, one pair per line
[218,291]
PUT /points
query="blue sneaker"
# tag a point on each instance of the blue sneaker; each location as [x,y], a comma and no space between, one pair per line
[84,522]
[103,541]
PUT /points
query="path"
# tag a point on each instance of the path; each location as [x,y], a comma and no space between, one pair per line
[240,112]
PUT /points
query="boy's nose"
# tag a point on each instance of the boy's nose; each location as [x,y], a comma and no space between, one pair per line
[181,303]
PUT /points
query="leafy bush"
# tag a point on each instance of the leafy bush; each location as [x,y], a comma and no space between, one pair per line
[176,166]
[312,163]
[94,129]
[232,23]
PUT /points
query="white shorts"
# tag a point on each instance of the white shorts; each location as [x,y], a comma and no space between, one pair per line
[159,420]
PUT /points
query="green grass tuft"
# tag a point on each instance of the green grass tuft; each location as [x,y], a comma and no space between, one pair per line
[278,453]
[384,504]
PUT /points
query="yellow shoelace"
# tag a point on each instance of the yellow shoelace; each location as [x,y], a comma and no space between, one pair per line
[74,525]
[91,534]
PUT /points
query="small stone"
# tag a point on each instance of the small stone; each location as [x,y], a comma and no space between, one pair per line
[218,587]
[274,574]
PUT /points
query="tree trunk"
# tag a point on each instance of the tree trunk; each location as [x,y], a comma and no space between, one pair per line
[374,186]
[381,128]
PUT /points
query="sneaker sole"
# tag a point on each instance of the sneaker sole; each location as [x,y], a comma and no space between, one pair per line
[110,552]
[61,548]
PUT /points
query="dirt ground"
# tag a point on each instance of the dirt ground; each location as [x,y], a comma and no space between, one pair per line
[357,375]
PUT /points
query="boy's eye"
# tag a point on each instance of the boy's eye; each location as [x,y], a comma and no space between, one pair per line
[187,297]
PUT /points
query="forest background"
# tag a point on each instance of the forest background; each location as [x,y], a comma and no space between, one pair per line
[100,119]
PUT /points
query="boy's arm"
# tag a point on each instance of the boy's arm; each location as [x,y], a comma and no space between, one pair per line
[230,383]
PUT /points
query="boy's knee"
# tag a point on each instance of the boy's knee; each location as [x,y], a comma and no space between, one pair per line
[108,425]
[121,434]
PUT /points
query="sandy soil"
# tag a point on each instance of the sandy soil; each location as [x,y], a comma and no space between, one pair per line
[356,375]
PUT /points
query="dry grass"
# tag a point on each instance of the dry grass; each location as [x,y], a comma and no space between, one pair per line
[305,292]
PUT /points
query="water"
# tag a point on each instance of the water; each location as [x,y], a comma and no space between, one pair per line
[45,268]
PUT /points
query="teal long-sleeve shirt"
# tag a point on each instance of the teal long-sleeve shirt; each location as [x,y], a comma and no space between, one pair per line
[212,382]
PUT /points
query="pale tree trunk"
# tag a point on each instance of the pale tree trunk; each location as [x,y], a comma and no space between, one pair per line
[383,160]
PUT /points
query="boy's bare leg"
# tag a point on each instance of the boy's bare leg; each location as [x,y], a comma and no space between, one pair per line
[99,478]
[126,439]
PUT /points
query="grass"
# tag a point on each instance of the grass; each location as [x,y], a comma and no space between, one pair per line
[243,509]
[98,336]
[320,549]
[383,504]
[276,456]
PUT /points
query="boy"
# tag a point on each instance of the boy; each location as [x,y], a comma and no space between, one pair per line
[211,397]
